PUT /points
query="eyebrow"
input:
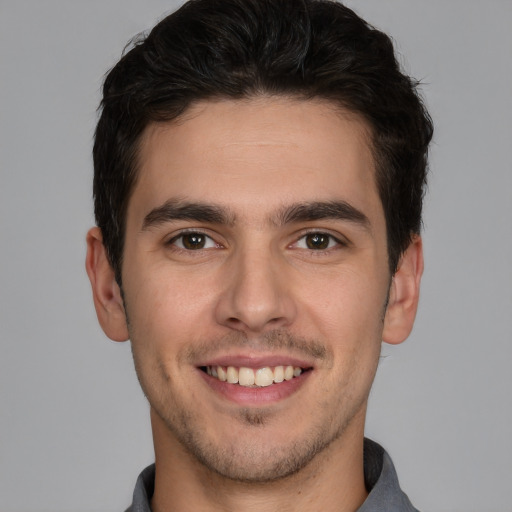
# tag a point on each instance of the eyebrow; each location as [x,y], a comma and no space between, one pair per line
[176,209]
[322,210]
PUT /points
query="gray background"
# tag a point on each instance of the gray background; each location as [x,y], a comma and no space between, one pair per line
[74,425]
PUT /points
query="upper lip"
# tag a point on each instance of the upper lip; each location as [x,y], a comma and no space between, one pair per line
[257,361]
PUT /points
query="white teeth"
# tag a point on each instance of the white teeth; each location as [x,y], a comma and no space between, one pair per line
[232,375]
[245,376]
[260,377]
[264,377]
[221,373]
[278,374]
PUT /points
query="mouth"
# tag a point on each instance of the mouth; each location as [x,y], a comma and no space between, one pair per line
[254,377]
[256,380]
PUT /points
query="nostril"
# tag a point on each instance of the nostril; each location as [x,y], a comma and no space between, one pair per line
[255,324]
[235,322]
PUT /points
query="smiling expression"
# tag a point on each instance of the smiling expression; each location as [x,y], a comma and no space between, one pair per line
[255,279]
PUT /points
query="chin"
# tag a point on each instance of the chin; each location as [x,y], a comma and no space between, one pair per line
[254,453]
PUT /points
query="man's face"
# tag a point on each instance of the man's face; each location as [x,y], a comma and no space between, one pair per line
[256,241]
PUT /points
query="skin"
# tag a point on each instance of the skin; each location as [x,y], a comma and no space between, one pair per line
[258,290]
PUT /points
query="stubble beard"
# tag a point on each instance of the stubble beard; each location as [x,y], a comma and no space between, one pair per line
[250,462]
[246,459]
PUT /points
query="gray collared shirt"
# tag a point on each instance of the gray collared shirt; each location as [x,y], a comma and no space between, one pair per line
[380,476]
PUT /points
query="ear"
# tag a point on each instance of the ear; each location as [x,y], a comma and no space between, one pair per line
[105,290]
[404,294]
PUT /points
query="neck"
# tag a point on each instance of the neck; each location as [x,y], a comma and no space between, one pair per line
[332,482]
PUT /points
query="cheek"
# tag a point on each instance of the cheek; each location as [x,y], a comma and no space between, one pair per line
[348,304]
[162,320]
[156,287]
[167,309]
[347,313]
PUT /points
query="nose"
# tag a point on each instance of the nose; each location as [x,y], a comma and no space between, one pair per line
[256,296]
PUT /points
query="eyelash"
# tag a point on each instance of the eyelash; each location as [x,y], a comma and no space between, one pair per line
[174,239]
[332,242]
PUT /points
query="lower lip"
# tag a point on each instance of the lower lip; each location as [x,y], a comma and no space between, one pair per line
[243,395]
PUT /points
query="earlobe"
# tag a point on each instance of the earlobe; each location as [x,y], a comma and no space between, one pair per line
[404,294]
[106,292]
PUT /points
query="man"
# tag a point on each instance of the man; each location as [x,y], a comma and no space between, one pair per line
[259,174]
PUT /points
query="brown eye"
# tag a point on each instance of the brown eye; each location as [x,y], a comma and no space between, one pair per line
[193,241]
[317,241]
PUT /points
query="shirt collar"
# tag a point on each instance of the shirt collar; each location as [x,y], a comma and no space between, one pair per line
[381,482]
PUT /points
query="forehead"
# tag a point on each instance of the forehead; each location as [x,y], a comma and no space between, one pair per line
[255,153]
